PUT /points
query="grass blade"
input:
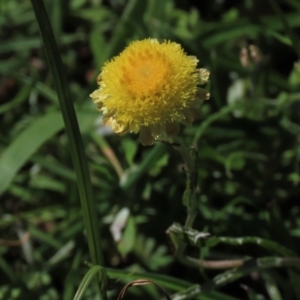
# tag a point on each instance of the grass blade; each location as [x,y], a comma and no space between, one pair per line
[89,276]
[168,282]
[294,39]
[72,129]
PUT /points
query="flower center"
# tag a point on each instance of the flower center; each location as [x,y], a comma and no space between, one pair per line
[145,74]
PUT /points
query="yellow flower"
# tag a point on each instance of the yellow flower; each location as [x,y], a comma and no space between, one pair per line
[149,88]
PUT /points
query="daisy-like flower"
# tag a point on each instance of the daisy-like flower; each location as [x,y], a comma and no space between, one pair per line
[149,88]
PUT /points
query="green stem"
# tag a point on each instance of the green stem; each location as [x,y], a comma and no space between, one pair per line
[88,204]
[179,146]
[191,216]
[189,197]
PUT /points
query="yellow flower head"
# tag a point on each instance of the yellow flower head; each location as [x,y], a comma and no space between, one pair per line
[149,88]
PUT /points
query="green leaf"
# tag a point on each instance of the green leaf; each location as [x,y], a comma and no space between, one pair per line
[127,241]
[271,286]
[26,143]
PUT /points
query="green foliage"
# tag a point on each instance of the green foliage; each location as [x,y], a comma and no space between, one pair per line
[248,159]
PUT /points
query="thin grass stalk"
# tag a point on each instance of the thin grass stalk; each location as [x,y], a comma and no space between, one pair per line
[75,141]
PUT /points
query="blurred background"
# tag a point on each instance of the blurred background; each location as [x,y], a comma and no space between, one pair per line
[248,141]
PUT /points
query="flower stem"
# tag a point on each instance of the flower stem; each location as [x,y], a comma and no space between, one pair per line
[189,196]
